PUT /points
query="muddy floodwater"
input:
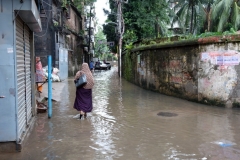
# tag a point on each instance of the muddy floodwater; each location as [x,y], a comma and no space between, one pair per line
[130,123]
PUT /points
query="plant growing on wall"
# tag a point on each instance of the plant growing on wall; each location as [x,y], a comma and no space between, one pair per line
[129,37]
[65,2]
[128,67]
[79,4]
[55,24]
[81,33]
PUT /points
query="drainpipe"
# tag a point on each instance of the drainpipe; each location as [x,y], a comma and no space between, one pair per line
[49,86]
[89,33]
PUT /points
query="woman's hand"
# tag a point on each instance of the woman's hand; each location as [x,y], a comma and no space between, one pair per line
[78,74]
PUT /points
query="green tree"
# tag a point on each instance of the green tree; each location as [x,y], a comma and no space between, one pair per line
[191,14]
[101,47]
[109,29]
[147,19]
[143,19]
[129,37]
[208,6]
[225,14]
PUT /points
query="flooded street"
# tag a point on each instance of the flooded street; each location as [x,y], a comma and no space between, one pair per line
[130,123]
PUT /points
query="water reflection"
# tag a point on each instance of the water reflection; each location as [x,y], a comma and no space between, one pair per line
[104,122]
[218,136]
[127,126]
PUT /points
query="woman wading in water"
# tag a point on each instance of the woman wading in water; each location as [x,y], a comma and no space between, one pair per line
[83,100]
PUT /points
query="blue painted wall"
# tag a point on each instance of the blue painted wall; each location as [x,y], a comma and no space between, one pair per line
[7,74]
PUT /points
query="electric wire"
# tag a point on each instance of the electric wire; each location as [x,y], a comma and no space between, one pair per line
[47,24]
[17,12]
[47,3]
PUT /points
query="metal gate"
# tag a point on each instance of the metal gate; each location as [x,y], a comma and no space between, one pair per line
[28,74]
[21,87]
[23,65]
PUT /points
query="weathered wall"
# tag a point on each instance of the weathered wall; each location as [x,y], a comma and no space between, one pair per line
[75,56]
[45,41]
[205,70]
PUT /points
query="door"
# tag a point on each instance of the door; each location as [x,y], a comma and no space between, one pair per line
[63,63]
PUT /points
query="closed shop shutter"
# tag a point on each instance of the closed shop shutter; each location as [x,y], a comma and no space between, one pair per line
[21,86]
[28,74]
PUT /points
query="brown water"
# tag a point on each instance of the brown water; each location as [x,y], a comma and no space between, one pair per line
[125,125]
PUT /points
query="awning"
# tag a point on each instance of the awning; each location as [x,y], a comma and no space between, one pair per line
[28,11]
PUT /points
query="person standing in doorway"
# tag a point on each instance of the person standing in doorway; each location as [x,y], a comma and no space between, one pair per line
[83,100]
[40,77]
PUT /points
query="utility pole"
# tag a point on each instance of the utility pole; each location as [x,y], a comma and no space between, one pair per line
[120,37]
[120,32]
[121,28]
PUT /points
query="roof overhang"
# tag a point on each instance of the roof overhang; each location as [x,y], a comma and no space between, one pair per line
[29,13]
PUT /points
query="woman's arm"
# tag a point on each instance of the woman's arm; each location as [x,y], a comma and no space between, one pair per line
[78,74]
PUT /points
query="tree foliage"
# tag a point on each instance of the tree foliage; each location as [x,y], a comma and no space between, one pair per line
[226,15]
[155,18]
[109,29]
[101,48]
[143,19]
[146,18]
[79,4]
[207,15]
[191,15]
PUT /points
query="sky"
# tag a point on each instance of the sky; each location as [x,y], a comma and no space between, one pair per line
[99,5]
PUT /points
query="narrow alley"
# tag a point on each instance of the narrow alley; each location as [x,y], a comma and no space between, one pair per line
[130,123]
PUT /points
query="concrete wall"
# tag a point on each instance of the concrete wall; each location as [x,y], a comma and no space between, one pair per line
[204,70]
[8,106]
[13,98]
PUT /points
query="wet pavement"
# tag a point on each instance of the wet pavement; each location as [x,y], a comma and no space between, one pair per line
[130,123]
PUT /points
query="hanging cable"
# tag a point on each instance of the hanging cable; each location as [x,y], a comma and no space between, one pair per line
[17,13]
[47,24]
[47,3]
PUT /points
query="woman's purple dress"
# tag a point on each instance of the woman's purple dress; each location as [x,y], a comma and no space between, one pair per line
[83,100]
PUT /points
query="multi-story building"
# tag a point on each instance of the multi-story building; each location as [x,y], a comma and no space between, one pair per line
[33,28]
[62,37]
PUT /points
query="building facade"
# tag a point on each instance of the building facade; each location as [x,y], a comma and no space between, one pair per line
[62,37]
[17,92]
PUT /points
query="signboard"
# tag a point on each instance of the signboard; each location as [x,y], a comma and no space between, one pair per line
[222,58]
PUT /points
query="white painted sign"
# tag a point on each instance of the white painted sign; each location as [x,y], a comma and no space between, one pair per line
[9,50]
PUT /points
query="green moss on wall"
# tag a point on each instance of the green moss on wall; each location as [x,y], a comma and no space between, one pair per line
[236,105]
[213,102]
[128,67]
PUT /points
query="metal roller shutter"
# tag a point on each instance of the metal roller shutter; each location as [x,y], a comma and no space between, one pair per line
[28,74]
[21,87]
